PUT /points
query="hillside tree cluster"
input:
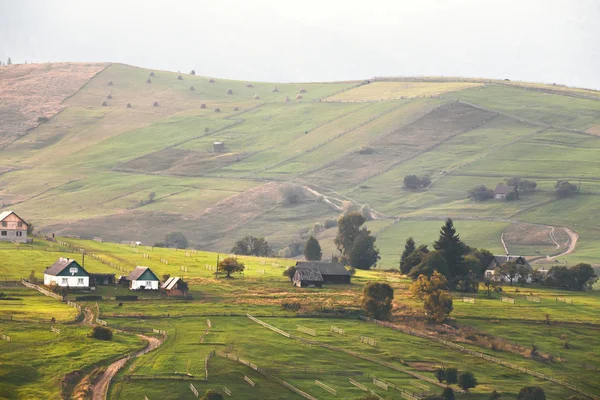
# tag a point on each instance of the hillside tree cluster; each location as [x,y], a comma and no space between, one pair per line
[252,246]
[355,242]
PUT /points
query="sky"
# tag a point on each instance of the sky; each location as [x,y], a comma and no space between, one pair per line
[551,41]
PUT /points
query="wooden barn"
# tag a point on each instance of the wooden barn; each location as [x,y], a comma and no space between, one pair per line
[143,278]
[67,273]
[102,279]
[307,277]
[330,272]
[218,147]
[12,227]
[175,286]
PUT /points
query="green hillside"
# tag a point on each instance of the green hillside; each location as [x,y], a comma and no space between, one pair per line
[85,171]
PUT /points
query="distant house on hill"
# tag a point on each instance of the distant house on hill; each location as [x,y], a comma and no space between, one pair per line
[143,278]
[502,191]
[498,260]
[308,277]
[12,227]
[175,286]
[331,272]
[67,273]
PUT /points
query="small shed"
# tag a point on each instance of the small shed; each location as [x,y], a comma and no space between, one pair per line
[102,279]
[308,277]
[218,147]
[66,272]
[175,286]
[143,278]
[331,272]
[502,191]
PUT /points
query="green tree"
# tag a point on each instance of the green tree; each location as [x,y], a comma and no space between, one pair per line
[166,277]
[348,229]
[466,381]
[377,300]
[584,276]
[409,247]
[494,395]
[312,249]
[451,376]
[290,272]
[430,263]
[531,393]
[564,189]
[211,394]
[252,246]
[448,394]
[230,265]
[451,247]
[440,374]
[32,277]
[480,193]
[151,197]
[176,239]
[489,285]
[433,291]
[508,270]
[364,254]
[414,258]
[30,228]
[9,61]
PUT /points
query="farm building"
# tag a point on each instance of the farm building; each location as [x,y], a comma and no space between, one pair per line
[12,227]
[330,272]
[67,273]
[309,277]
[497,261]
[503,190]
[218,147]
[142,278]
[175,286]
[102,279]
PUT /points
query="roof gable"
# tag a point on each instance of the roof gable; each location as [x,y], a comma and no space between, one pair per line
[66,267]
[498,260]
[504,189]
[6,214]
[142,274]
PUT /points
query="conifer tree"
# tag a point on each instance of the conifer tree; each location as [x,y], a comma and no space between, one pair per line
[312,249]
[452,248]
[409,247]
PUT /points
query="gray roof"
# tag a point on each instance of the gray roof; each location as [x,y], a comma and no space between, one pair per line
[136,273]
[171,283]
[324,268]
[503,189]
[308,274]
[59,266]
[5,214]
[503,259]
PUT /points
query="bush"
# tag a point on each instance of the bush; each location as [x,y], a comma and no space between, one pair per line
[377,300]
[366,150]
[531,393]
[564,189]
[480,193]
[211,395]
[414,182]
[42,119]
[88,298]
[293,306]
[102,333]
[126,297]
[290,272]
[292,194]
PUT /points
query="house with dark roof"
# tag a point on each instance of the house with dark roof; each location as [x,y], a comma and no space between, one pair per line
[498,260]
[307,277]
[67,273]
[502,191]
[12,227]
[142,278]
[175,286]
[331,272]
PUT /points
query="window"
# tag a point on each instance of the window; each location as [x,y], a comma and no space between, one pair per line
[20,224]
[80,281]
[148,284]
[64,281]
[4,224]
[19,233]
[4,233]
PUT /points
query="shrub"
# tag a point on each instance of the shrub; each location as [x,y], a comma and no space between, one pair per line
[480,193]
[290,272]
[467,380]
[366,150]
[126,297]
[531,393]
[211,394]
[448,394]
[564,189]
[414,182]
[377,300]
[330,223]
[88,298]
[292,194]
[43,119]
[293,306]
[102,333]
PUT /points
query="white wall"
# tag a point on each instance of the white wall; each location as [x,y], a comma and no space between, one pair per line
[148,285]
[11,236]
[71,281]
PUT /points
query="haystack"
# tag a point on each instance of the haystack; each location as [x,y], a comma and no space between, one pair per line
[256,97]
[202,105]
[179,77]
[275,90]
[236,109]
[229,91]
[302,90]
[155,104]
[249,85]
[217,109]
[109,96]
[104,104]
[298,96]
[148,80]
[192,88]
[128,105]
[287,99]
[151,73]
[110,83]
[211,80]
[192,72]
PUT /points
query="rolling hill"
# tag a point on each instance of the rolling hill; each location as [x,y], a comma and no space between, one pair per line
[111,134]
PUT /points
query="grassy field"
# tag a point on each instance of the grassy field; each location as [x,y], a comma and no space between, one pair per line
[395,90]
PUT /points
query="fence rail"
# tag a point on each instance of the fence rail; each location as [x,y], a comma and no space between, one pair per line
[271,327]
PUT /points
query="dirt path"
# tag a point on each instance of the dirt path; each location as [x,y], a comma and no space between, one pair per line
[573,237]
[88,318]
[100,388]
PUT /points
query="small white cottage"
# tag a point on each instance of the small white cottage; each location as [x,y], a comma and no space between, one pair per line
[67,273]
[143,278]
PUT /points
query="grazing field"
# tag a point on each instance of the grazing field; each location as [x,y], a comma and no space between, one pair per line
[377,91]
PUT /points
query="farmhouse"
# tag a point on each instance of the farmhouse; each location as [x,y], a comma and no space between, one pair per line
[308,277]
[502,191]
[142,278]
[498,260]
[12,227]
[330,272]
[175,286]
[67,273]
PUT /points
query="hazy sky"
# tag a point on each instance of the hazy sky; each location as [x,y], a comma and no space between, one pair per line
[316,40]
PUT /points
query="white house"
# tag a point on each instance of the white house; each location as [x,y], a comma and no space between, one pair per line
[12,227]
[67,273]
[498,260]
[143,278]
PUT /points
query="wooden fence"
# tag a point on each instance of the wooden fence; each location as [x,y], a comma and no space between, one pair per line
[258,321]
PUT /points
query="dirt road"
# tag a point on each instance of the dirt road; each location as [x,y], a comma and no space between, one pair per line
[573,237]
[100,389]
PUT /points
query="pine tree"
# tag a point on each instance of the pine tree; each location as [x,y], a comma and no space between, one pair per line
[9,61]
[312,249]
[363,254]
[409,247]
[452,248]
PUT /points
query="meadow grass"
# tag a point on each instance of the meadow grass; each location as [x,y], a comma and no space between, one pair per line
[394,90]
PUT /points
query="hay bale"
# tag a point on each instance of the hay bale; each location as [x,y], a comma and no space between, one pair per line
[192,72]
[211,80]
[202,105]
[236,109]
[109,96]
[256,97]
[104,104]
[298,96]
[128,105]
[192,88]
[155,104]
[302,90]
[229,91]
[286,100]
[151,73]
[249,85]
[217,109]
[110,83]
[148,80]
[179,77]
[275,90]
